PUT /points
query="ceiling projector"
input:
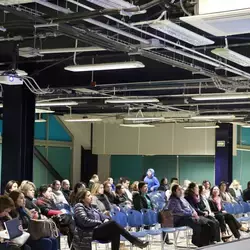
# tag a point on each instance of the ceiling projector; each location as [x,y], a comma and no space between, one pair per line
[11,79]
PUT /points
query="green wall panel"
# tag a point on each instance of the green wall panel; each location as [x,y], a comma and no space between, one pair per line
[126,166]
[164,165]
[196,168]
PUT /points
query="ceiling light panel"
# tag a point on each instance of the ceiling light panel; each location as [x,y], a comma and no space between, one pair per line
[202,127]
[213,117]
[232,56]
[44,111]
[40,120]
[124,101]
[137,125]
[210,97]
[105,66]
[226,23]
[144,119]
[180,33]
[70,50]
[12,2]
[56,104]
[112,4]
[83,120]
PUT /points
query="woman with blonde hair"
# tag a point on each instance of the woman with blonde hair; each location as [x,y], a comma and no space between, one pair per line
[99,199]
[235,190]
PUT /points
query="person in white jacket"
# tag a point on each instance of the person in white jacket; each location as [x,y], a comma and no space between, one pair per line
[58,196]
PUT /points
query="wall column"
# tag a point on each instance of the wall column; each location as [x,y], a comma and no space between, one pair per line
[224,153]
[18,134]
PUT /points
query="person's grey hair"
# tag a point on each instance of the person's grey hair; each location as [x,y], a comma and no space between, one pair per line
[65,181]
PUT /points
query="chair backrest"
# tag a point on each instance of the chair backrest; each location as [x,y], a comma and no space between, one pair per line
[238,209]
[134,218]
[229,208]
[120,218]
[246,207]
[149,217]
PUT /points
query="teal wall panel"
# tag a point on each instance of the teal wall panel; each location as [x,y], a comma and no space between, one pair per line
[241,169]
[40,131]
[126,166]
[245,136]
[196,168]
[164,165]
[57,132]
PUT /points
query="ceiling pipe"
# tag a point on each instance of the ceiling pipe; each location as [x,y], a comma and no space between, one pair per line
[239,72]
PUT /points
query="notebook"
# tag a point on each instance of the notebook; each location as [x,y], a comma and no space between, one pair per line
[13,229]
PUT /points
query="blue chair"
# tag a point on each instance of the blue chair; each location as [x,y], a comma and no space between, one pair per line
[135,220]
[120,218]
[229,208]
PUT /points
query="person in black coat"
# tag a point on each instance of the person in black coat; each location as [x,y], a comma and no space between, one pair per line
[193,198]
[164,185]
[246,193]
[93,225]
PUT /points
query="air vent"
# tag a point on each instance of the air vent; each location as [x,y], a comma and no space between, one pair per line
[222,23]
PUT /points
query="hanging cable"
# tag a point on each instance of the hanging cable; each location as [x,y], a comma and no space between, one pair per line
[74,58]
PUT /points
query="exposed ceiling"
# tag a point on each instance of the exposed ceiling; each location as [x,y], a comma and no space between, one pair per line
[174,72]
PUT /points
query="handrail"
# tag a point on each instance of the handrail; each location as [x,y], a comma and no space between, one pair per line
[47,165]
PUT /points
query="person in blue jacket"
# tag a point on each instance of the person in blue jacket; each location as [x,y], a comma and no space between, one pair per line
[151,180]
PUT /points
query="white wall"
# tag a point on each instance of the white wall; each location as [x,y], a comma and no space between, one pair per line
[164,139]
[103,167]
[81,133]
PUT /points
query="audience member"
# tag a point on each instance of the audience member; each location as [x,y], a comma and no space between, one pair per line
[246,193]
[125,183]
[151,180]
[109,192]
[93,225]
[111,181]
[185,215]
[121,197]
[218,209]
[134,188]
[164,185]
[94,179]
[174,180]
[99,199]
[235,190]
[6,206]
[186,184]
[10,186]
[207,186]
[25,216]
[57,194]
[66,189]
[205,207]
[193,198]
[77,188]
[225,196]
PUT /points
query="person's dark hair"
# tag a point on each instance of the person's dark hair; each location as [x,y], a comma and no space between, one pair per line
[222,183]
[54,182]
[81,195]
[141,184]
[200,189]
[174,179]
[5,203]
[211,191]
[123,180]
[205,181]
[162,181]
[78,185]
[118,187]
[248,184]
[9,186]
[174,188]
[14,195]
[43,189]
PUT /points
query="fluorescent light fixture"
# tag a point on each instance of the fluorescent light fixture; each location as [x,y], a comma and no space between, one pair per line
[46,25]
[226,23]
[112,4]
[105,66]
[40,120]
[180,33]
[83,120]
[44,111]
[2,29]
[213,117]
[232,56]
[70,50]
[121,101]
[55,104]
[144,119]
[243,149]
[209,97]
[246,126]
[137,125]
[201,127]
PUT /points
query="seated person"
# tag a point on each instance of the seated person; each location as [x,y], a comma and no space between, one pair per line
[193,198]
[6,206]
[235,190]
[10,186]
[77,188]
[57,195]
[93,225]
[121,197]
[25,216]
[108,191]
[226,197]
[99,199]
[219,211]
[185,215]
